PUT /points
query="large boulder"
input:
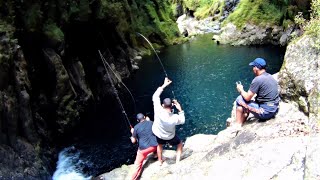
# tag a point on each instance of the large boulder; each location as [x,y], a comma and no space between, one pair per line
[299,76]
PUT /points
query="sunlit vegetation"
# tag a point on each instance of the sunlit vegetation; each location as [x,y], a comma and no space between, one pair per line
[204,8]
[311,27]
[267,12]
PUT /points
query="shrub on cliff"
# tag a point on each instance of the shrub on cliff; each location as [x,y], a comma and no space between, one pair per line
[204,8]
[270,12]
[311,27]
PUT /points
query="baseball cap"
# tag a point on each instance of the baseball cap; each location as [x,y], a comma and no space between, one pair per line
[259,63]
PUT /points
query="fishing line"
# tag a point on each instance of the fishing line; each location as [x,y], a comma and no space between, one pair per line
[132,98]
[155,53]
[134,102]
[115,90]
[164,71]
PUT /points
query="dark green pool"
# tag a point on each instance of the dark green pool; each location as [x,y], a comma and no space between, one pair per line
[204,76]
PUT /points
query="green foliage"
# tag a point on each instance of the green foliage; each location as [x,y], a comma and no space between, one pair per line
[156,22]
[259,12]
[194,4]
[173,9]
[53,32]
[292,11]
[287,23]
[204,8]
[313,26]
[115,13]
[151,11]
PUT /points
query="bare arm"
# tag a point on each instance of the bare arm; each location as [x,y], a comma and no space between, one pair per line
[156,95]
[181,118]
[246,95]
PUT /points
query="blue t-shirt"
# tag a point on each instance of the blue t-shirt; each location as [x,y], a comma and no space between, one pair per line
[143,132]
[266,88]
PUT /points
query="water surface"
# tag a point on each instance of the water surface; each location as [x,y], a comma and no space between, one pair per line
[203,75]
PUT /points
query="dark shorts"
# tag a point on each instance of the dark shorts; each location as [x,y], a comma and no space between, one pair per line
[174,141]
[260,111]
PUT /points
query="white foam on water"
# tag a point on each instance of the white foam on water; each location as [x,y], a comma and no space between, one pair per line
[67,165]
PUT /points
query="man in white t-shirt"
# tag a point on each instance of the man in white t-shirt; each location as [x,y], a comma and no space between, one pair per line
[165,121]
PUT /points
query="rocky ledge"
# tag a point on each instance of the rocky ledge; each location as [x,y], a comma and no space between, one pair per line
[285,147]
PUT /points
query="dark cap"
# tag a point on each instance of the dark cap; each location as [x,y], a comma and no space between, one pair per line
[167,102]
[140,116]
[259,63]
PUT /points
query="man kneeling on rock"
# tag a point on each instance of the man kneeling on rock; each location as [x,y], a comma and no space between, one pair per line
[165,121]
[266,103]
[142,132]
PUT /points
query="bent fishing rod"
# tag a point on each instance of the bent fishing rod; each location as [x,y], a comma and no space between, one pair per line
[164,71]
[115,90]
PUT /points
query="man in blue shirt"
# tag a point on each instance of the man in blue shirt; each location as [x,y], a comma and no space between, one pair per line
[142,132]
[265,87]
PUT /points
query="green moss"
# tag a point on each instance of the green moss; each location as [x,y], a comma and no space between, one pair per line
[53,32]
[257,12]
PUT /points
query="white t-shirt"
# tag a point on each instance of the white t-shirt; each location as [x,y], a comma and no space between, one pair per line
[164,125]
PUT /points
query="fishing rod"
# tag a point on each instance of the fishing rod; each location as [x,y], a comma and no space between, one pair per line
[164,71]
[155,53]
[119,79]
[132,98]
[115,90]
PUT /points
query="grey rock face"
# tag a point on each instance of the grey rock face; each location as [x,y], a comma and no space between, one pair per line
[299,76]
[20,157]
[281,148]
[249,35]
